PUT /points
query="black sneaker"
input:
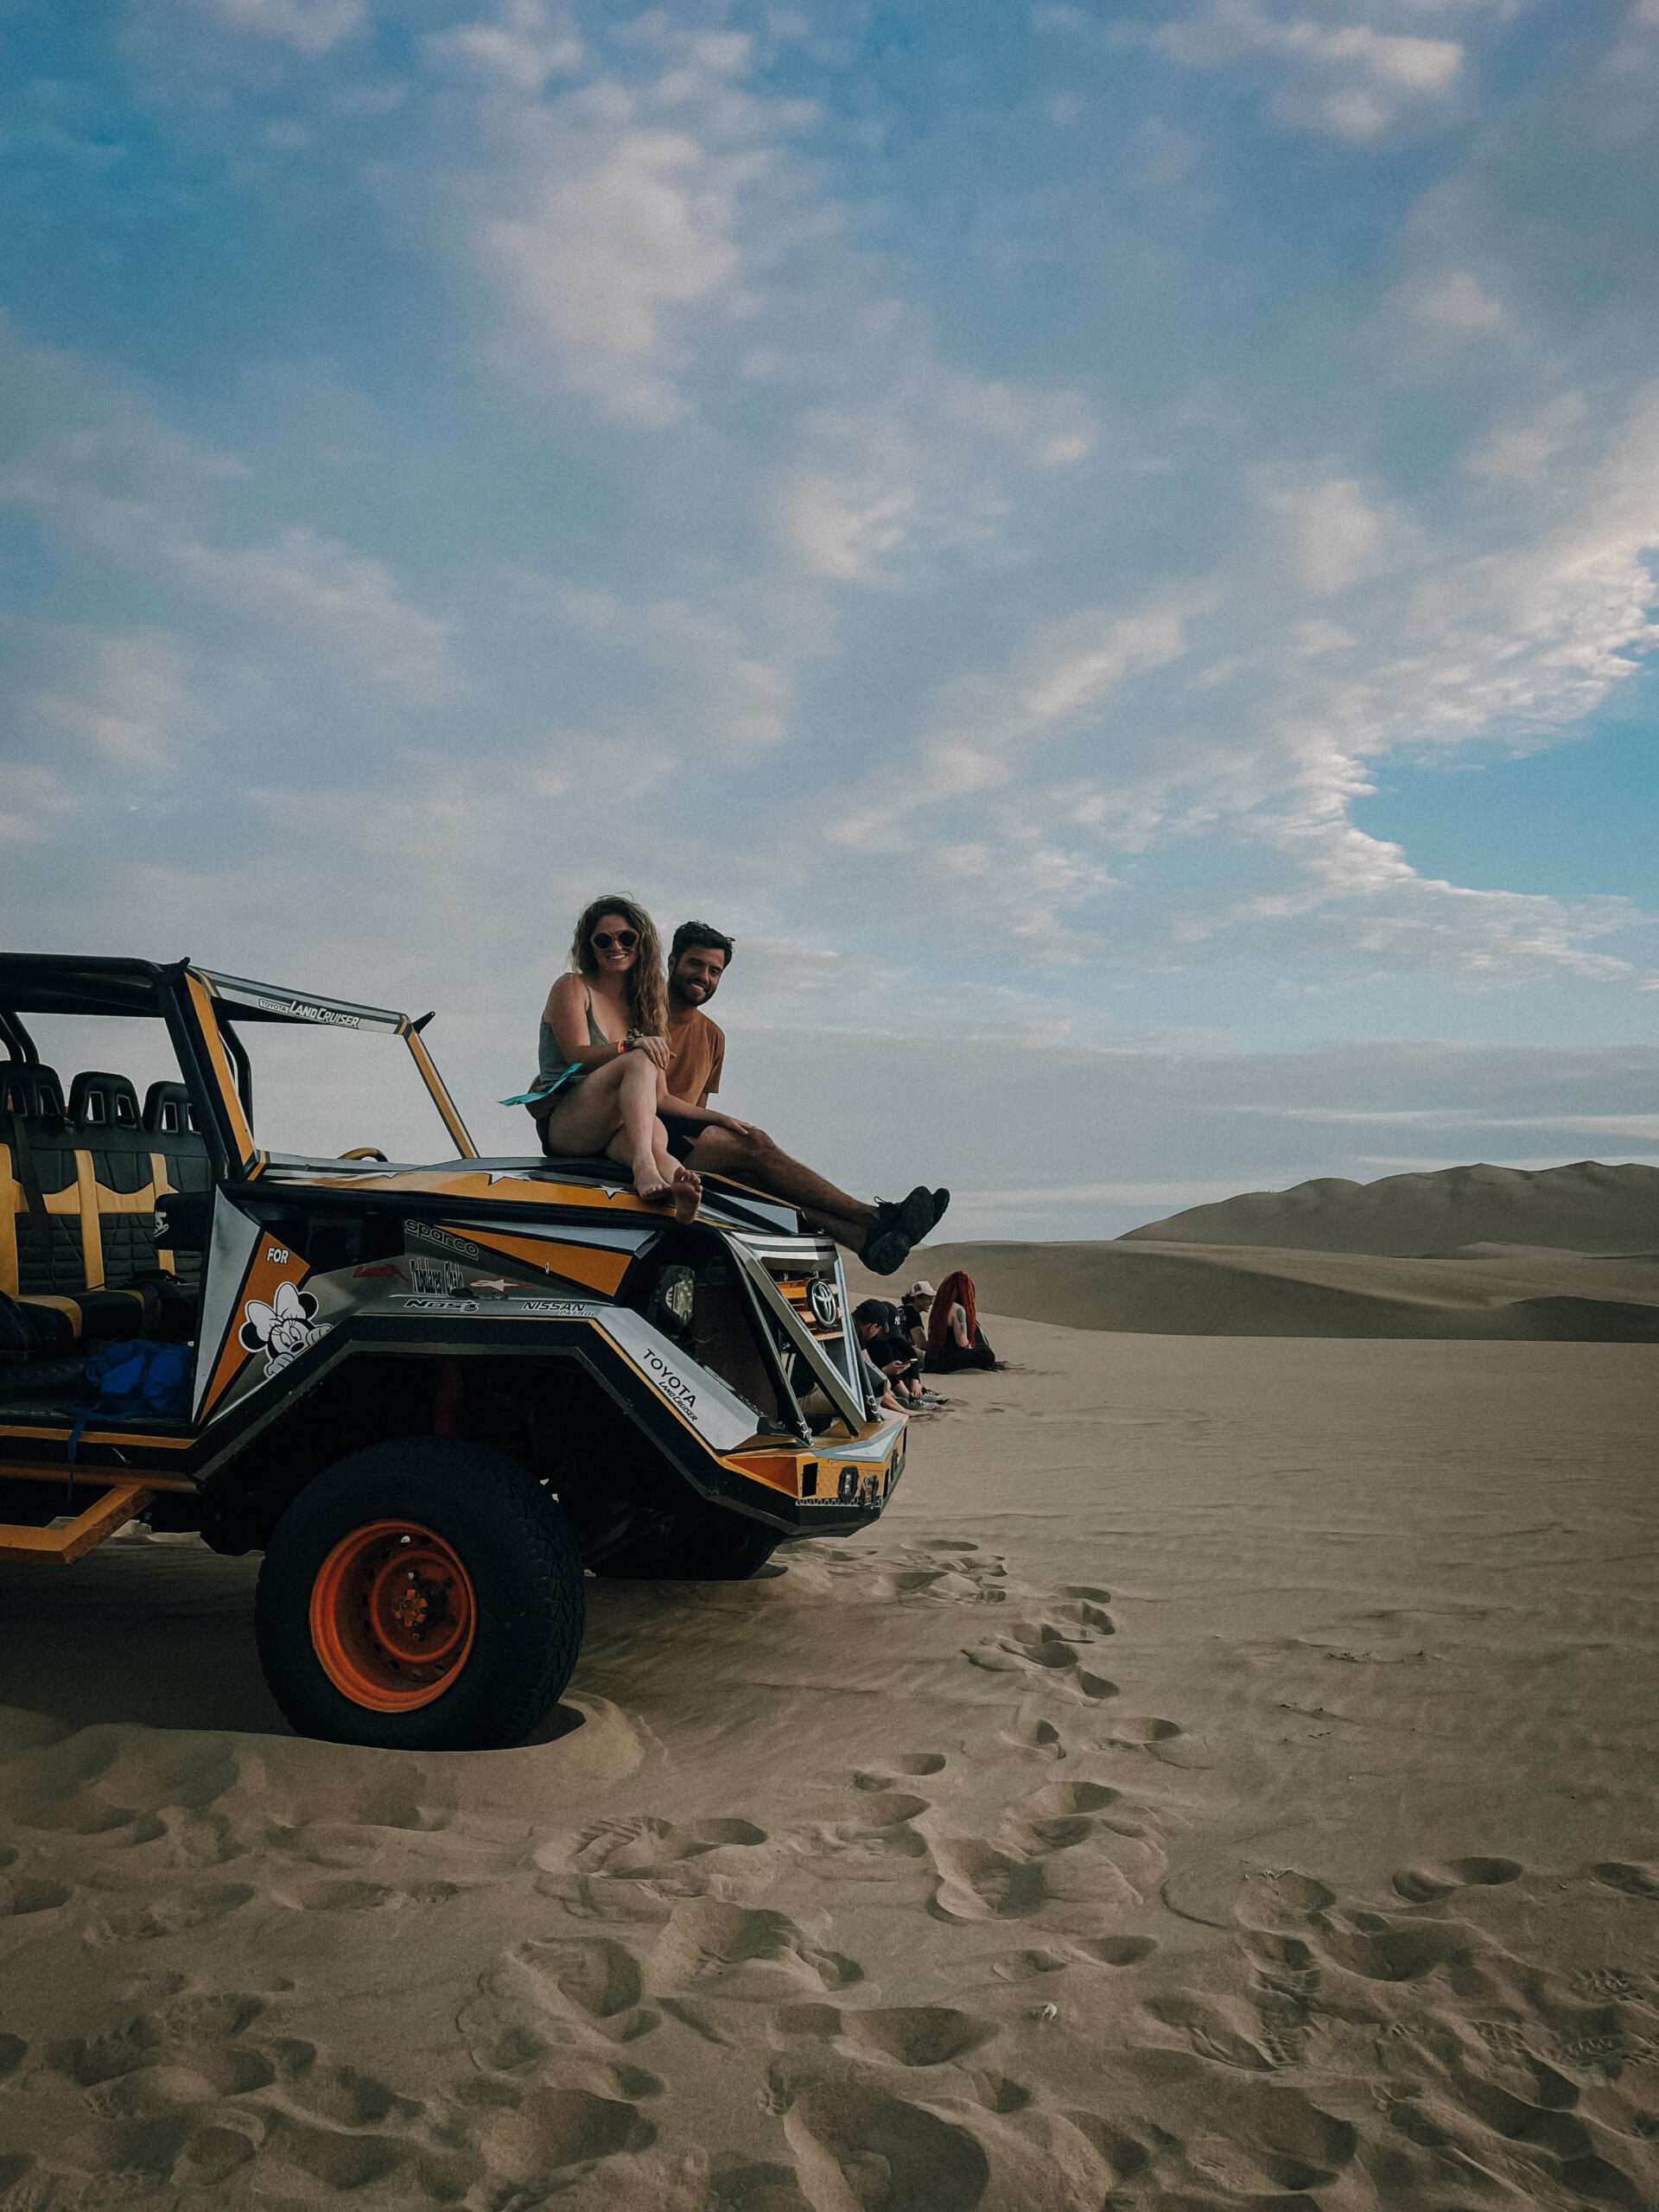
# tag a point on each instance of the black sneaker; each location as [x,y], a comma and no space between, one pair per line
[912,1217]
[941,1201]
[885,1248]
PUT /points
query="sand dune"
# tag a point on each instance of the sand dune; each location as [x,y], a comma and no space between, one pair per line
[1491,1291]
[1223,1779]
[1589,1207]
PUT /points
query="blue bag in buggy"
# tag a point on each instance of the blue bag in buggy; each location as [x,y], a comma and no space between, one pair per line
[140,1379]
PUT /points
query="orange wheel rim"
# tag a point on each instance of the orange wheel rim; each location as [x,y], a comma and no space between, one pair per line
[392,1616]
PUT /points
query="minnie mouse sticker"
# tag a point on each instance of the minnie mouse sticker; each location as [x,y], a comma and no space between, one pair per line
[283,1329]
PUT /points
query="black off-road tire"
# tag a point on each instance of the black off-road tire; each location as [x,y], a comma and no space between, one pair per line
[707,1547]
[520,1557]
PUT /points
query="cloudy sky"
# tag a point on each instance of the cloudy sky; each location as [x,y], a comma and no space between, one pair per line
[1110,544]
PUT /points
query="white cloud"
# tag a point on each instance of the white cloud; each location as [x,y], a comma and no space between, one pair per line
[99,469]
[31,793]
[313,27]
[920,466]
[1347,79]
[1456,300]
[599,252]
[981,734]
[611,224]
[1520,450]
[126,696]
[524,44]
[1338,536]
[322,592]
[726,664]
[639,235]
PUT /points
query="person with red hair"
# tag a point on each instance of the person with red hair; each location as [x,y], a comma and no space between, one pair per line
[954,1339]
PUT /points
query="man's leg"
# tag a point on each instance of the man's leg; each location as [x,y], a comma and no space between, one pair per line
[758,1161]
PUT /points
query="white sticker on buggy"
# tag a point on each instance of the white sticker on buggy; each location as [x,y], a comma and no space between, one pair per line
[282,1330]
[719,1415]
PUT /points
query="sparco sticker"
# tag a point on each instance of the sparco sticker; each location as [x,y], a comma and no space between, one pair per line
[444,1239]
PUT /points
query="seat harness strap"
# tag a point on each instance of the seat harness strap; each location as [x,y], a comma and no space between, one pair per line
[29,1176]
[75,1428]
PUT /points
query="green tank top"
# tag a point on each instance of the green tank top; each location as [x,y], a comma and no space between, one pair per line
[553,1071]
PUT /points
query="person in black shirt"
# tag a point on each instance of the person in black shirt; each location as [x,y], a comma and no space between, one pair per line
[913,1309]
[881,1332]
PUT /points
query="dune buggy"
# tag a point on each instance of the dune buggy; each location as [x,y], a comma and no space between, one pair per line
[433,1395]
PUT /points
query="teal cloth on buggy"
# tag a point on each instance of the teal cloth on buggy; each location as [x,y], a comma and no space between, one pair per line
[553,1070]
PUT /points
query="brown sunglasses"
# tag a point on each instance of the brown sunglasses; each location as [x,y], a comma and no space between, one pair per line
[601,940]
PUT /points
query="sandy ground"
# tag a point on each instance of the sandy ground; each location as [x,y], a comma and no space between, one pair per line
[1491,1292]
[1224,1778]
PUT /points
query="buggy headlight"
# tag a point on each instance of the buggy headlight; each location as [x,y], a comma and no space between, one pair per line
[848,1485]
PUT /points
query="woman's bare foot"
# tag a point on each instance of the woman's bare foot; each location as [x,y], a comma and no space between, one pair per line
[687,1195]
[651,1185]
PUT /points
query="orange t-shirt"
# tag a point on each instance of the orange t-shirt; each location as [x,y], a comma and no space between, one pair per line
[699,1049]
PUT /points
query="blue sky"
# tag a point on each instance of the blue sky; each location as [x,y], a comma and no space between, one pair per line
[1110,544]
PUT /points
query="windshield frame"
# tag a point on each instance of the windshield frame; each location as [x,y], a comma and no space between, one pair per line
[226,1001]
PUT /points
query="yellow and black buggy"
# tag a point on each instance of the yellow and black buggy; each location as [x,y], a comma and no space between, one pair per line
[433,1395]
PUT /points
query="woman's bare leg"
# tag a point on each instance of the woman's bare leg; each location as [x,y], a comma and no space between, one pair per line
[614,1110]
[677,1183]
[588,1114]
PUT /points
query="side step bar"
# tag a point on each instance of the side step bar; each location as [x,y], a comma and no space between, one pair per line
[123,1502]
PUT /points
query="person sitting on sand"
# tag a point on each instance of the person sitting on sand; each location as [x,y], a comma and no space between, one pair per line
[954,1339]
[914,1309]
[879,1231]
[604,1051]
[874,1320]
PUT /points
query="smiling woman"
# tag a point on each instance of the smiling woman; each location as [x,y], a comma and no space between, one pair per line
[600,1077]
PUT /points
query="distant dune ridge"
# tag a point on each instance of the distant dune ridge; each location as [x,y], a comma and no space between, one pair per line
[1584,1208]
[1567,1252]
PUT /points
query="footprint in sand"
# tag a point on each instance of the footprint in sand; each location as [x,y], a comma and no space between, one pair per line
[155,2081]
[670,1860]
[370,1896]
[1259,2143]
[1636,1880]
[877,1832]
[25,1893]
[195,1908]
[1051,1848]
[944,1571]
[1082,1950]
[732,1951]
[857,2148]
[1136,1732]
[195,2030]
[555,2128]
[905,2035]
[1422,1885]
[1042,1649]
[1378,1949]
[593,1977]
[912,1763]
[1224,2029]
[348,2099]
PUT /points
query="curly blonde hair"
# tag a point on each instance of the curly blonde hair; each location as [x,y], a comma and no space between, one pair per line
[647,987]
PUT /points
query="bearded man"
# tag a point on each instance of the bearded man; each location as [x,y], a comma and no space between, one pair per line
[881,1231]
